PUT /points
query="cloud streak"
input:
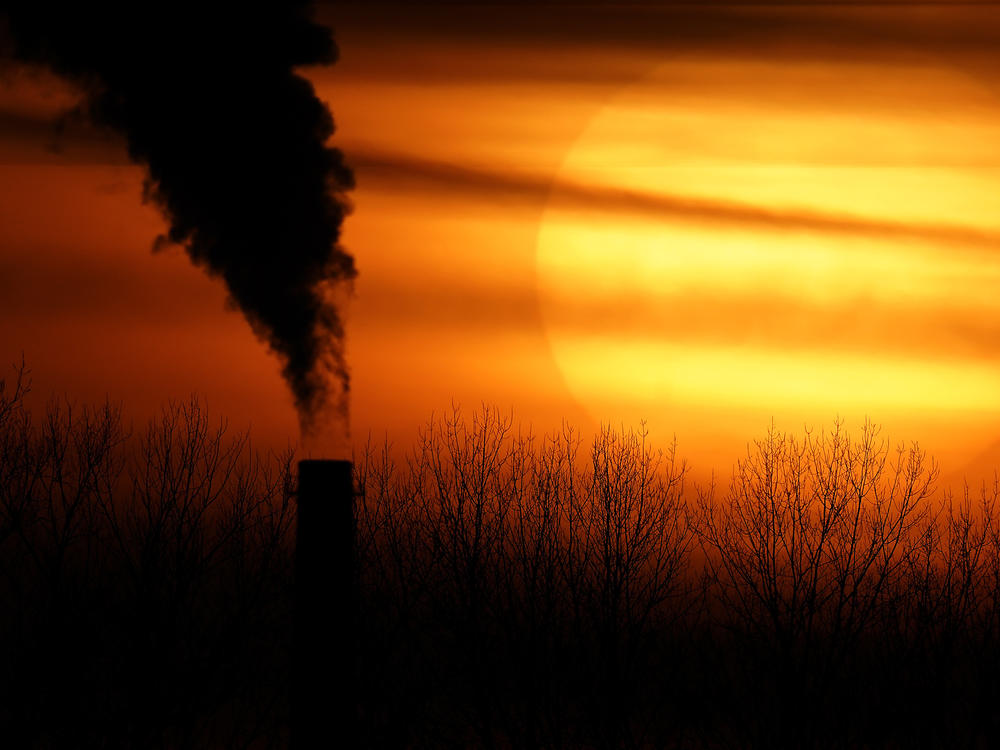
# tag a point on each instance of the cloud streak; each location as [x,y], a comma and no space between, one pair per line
[803,29]
[395,171]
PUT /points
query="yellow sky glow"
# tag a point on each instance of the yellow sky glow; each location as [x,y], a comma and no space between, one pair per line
[802,324]
[580,229]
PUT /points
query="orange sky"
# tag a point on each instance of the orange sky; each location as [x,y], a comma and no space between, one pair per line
[703,218]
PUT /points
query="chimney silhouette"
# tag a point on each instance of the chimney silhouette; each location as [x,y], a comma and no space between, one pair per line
[323,709]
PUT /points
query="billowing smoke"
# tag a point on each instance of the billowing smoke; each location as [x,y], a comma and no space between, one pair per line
[234,143]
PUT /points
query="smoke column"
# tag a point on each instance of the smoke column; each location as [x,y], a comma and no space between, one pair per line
[234,144]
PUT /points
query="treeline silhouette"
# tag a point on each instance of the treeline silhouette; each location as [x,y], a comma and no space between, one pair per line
[145,580]
[514,590]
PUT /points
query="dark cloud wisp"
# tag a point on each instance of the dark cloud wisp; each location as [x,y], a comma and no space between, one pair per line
[404,172]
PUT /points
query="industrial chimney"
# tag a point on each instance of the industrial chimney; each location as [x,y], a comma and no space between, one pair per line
[323,710]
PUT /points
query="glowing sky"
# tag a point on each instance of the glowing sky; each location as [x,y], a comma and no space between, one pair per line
[704,216]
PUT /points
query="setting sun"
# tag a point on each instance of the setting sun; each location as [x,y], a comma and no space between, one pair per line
[528,374]
[820,247]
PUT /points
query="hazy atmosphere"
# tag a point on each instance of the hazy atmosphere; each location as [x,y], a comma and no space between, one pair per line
[662,338]
[705,217]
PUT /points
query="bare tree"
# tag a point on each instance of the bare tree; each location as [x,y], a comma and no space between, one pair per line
[805,548]
[516,590]
[145,580]
[943,626]
[548,577]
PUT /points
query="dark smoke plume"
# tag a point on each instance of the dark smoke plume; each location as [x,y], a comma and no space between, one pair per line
[234,143]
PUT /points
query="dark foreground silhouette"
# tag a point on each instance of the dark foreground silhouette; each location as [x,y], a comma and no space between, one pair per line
[512,591]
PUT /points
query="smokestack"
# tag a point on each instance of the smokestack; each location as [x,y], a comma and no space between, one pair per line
[323,711]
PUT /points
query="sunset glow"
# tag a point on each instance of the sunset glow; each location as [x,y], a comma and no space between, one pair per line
[706,236]
[522,373]
[712,309]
